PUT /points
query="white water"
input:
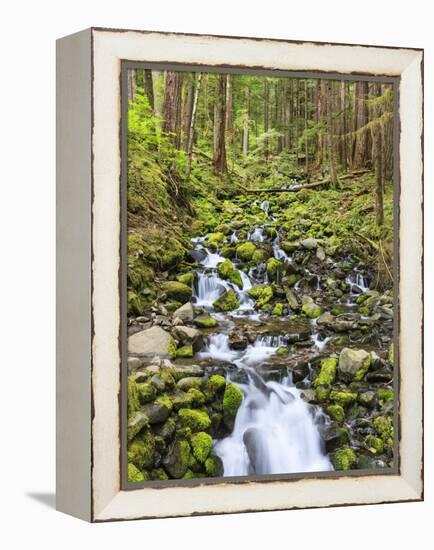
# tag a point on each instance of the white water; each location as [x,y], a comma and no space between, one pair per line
[357,279]
[265,207]
[275,430]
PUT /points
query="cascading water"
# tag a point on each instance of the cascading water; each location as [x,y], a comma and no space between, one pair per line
[265,206]
[275,430]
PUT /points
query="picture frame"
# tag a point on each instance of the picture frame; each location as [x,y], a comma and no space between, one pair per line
[91,232]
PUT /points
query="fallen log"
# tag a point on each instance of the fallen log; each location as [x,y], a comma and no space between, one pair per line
[297,187]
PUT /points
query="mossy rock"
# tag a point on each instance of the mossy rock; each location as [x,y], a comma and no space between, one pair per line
[187,278]
[232,400]
[322,393]
[185,351]
[158,474]
[214,466]
[166,401]
[177,291]
[385,394]
[226,270]
[215,239]
[132,397]
[228,301]
[259,256]
[274,267]
[265,298]
[256,291]
[201,444]
[136,423]
[311,310]
[134,475]
[141,450]
[390,354]
[327,374]
[384,427]
[374,443]
[336,412]
[282,351]
[197,421]
[146,392]
[289,247]
[215,384]
[178,459]
[197,397]
[344,459]
[343,398]
[245,251]
[205,321]
[278,310]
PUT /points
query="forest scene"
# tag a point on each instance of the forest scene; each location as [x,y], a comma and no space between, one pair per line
[260,278]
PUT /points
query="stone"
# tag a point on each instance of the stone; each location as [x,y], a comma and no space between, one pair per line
[245,251]
[153,341]
[188,335]
[227,301]
[185,312]
[310,308]
[177,291]
[309,243]
[205,321]
[291,299]
[157,382]
[226,270]
[189,382]
[382,375]
[182,371]
[156,412]
[136,423]
[133,363]
[320,253]
[353,364]
[178,459]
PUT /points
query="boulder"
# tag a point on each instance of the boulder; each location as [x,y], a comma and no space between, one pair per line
[177,291]
[310,308]
[155,341]
[320,253]
[185,312]
[188,335]
[205,321]
[226,270]
[227,301]
[178,459]
[309,244]
[245,251]
[353,364]
[156,412]
[136,423]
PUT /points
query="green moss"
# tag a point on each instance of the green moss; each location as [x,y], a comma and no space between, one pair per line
[189,474]
[227,301]
[201,444]
[214,466]
[179,458]
[256,291]
[177,291]
[383,426]
[215,383]
[374,443]
[282,351]
[197,397]
[343,398]
[205,321]
[390,355]
[245,251]
[385,394]
[232,400]
[327,374]
[134,474]
[171,348]
[187,278]
[215,239]
[311,310]
[136,423]
[274,267]
[146,392]
[141,451]
[345,459]
[166,401]
[159,474]
[226,270]
[133,397]
[185,351]
[278,309]
[197,421]
[322,393]
[336,412]
[167,378]
[265,298]
[259,257]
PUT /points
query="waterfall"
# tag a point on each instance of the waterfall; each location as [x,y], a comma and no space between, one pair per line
[265,206]
[275,430]
[208,288]
[356,279]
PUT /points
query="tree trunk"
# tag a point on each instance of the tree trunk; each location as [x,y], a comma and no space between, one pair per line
[219,156]
[188,109]
[149,87]
[192,123]
[266,115]
[296,116]
[361,146]
[343,137]
[171,108]
[329,98]
[131,81]
[377,152]
[246,121]
[306,143]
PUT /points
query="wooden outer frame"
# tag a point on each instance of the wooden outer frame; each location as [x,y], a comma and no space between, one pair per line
[89,166]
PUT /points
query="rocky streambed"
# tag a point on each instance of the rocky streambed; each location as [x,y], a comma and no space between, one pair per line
[267,353]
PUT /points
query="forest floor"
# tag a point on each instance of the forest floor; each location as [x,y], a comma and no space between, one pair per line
[255,301]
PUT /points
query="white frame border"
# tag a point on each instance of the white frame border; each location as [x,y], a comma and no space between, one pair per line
[109,47]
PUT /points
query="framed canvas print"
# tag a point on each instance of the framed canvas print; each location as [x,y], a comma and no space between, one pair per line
[239,306]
